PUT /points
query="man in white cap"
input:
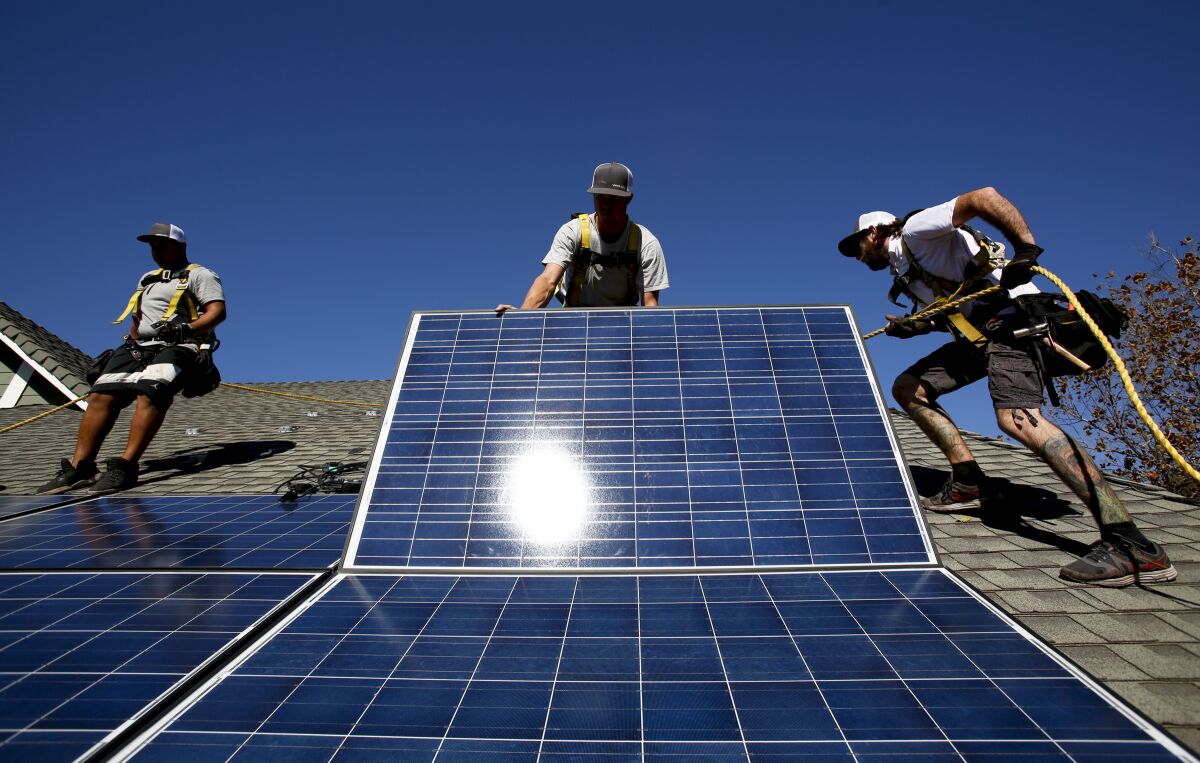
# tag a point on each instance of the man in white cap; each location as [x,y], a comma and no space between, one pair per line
[174,309]
[602,259]
[932,256]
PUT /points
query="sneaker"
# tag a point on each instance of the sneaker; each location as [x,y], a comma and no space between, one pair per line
[69,477]
[954,497]
[119,474]
[1117,563]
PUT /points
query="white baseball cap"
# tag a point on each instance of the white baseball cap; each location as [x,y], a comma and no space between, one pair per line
[849,245]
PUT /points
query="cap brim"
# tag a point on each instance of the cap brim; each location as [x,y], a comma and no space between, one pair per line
[148,237]
[608,192]
[849,245]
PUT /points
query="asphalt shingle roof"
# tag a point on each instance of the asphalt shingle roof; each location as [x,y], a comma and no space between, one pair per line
[66,362]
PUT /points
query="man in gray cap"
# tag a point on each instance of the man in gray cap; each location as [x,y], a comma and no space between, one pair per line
[602,259]
[175,309]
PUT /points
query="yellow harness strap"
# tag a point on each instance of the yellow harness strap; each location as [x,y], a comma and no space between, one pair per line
[585,228]
[956,318]
[135,301]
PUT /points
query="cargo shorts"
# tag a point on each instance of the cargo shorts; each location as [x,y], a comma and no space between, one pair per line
[1014,379]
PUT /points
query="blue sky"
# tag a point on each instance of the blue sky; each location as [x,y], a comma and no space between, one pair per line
[342,165]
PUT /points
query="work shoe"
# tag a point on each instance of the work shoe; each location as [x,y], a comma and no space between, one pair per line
[69,477]
[954,497]
[119,474]
[1117,563]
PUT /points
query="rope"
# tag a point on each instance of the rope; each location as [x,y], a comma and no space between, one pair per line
[938,307]
[43,414]
[1126,381]
[1125,378]
[244,388]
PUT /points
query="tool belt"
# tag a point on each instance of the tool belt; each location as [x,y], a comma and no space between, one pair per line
[1059,328]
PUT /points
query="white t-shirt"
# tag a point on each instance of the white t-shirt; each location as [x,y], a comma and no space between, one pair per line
[606,287]
[203,284]
[941,250]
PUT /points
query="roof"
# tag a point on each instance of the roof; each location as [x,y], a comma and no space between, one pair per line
[61,359]
[1142,643]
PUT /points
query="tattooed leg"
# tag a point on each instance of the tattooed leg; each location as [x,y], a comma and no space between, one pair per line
[1069,461]
[933,421]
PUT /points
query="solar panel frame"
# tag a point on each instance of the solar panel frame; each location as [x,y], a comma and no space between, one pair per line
[935,706]
[352,560]
[12,505]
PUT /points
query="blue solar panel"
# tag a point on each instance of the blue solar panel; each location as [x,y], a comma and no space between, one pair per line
[636,439]
[15,504]
[845,665]
[165,532]
[82,653]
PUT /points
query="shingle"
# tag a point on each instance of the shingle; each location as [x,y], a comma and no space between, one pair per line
[1161,660]
[1118,627]
[1103,663]
[1169,702]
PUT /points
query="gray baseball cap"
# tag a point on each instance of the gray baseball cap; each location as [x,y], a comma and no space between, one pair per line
[612,179]
[164,230]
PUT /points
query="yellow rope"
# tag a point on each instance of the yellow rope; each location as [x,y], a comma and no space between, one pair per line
[1134,398]
[939,307]
[298,397]
[41,415]
[1125,379]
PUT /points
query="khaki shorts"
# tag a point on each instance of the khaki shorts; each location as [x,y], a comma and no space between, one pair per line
[1013,377]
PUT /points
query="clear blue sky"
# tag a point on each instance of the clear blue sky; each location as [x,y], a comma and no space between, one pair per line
[341,165]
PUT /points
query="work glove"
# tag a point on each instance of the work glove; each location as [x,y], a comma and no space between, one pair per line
[172,332]
[1020,270]
[905,328]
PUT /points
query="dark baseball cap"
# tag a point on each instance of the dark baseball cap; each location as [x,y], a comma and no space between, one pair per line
[164,230]
[612,179]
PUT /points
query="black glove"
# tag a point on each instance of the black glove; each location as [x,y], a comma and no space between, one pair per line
[1020,270]
[903,328]
[172,332]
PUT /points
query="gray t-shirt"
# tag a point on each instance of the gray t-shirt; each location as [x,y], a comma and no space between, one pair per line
[606,287]
[203,284]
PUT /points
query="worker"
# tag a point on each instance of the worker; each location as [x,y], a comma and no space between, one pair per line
[174,311]
[933,256]
[602,259]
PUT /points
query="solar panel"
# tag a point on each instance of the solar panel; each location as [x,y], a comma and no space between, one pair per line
[164,532]
[15,504]
[639,439]
[836,665]
[80,653]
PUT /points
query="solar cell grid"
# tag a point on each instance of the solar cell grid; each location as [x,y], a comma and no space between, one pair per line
[80,654]
[163,532]
[15,504]
[698,437]
[842,665]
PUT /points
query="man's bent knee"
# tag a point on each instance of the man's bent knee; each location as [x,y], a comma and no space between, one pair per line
[908,390]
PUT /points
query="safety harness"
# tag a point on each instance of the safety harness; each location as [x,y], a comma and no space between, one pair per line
[181,294]
[570,294]
[989,257]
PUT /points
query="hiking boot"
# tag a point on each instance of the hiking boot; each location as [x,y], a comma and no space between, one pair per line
[954,497]
[69,477]
[119,474]
[1117,563]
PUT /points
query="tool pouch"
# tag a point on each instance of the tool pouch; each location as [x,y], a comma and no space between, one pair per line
[1069,331]
[203,376]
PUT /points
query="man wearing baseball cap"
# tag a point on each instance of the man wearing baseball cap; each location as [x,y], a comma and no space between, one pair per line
[934,255]
[174,310]
[602,259]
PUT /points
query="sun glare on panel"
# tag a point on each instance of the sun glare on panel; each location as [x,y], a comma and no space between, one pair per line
[547,495]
